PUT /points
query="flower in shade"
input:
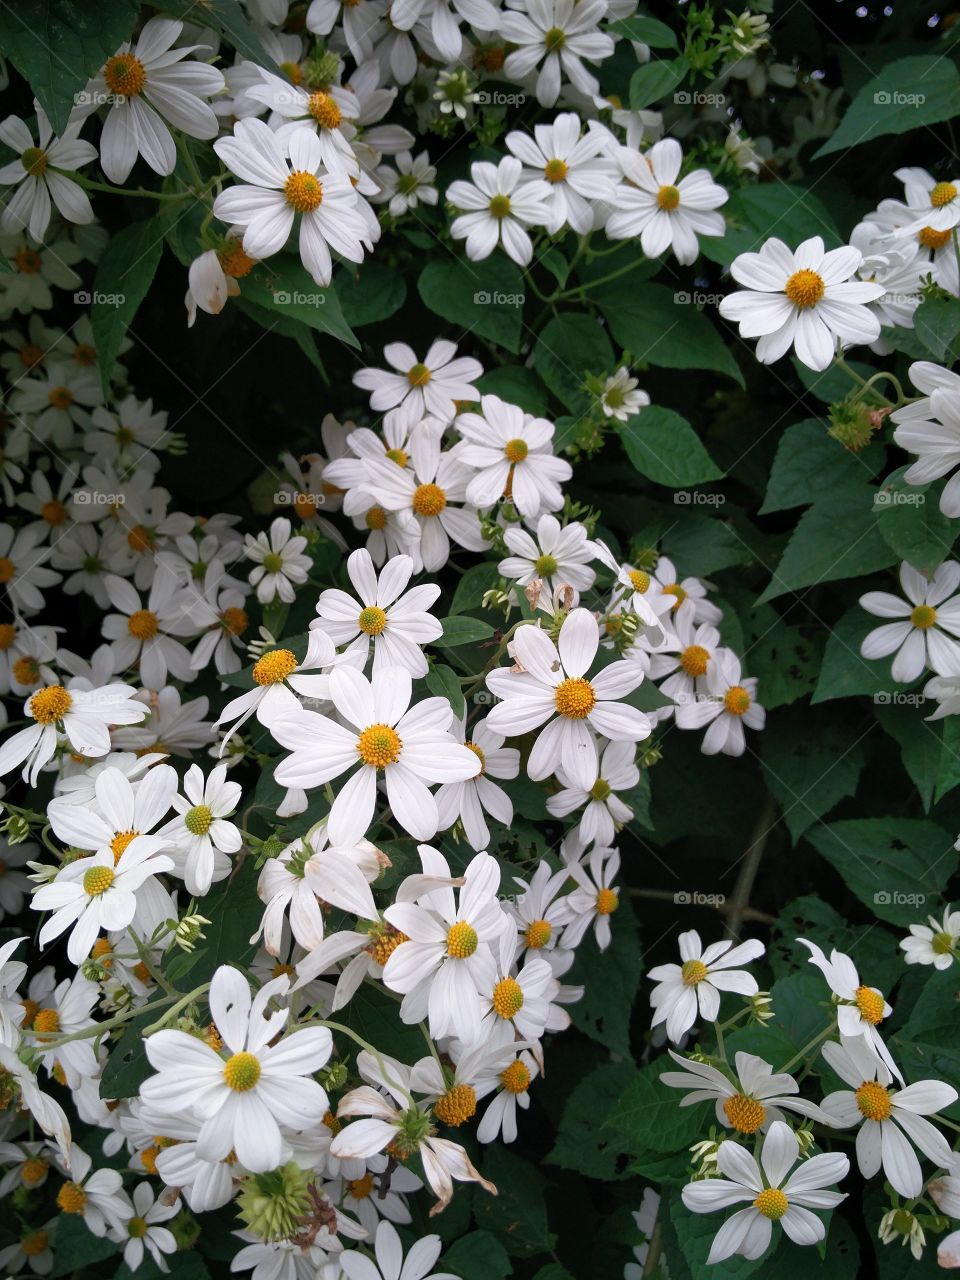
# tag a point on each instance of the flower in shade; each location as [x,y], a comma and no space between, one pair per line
[933,943]
[692,989]
[558,33]
[926,630]
[729,704]
[417,389]
[279,563]
[860,1009]
[497,206]
[470,799]
[603,811]
[512,453]
[557,556]
[39,173]
[390,1262]
[200,837]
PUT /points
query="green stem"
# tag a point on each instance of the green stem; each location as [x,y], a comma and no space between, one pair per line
[593,284]
[811,1044]
[89,185]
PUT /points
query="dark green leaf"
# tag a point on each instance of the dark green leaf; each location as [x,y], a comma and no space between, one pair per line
[124,274]
[460,629]
[666,449]
[657,80]
[832,540]
[664,327]
[806,450]
[443,683]
[906,94]
[480,297]
[369,293]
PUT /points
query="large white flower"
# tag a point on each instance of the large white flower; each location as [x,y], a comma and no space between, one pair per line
[806,299]
[692,989]
[926,632]
[930,428]
[560,33]
[38,171]
[420,388]
[410,747]
[497,205]
[571,165]
[860,1009]
[730,702]
[551,685]
[146,635]
[752,1100]
[277,678]
[512,452]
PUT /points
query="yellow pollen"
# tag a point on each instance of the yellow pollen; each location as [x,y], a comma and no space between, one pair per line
[34,1243]
[125,75]
[736,700]
[516,1078]
[97,880]
[607,902]
[102,952]
[943,193]
[61,397]
[331,1122]
[241,1072]
[515,450]
[804,288]
[141,972]
[324,110]
[499,206]
[26,671]
[668,198]
[429,500]
[746,1115]
[235,620]
[772,1203]
[942,944]
[120,843]
[274,667]
[84,354]
[28,262]
[456,1106]
[923,616]
[639,580]
[479,753]
[282,970]
[384,943]
[574,698]
[873,1100]
[398,456]
[137,1228]
[379,745]
[555,170]
[694,661]
[600,790]
[372,620]
[143,625]
[141,539]
[30,1011]
[234,261]
[33,1171]
[545,566]
[931,239]
[679,593]
[7,569]
[8,633]
[198,819]
[303,191]
[462,940]
[50,704]
[538,934]
[148,1158]
[71,1198]
[507,998]
[34,160]
[870,1003]
[53,512]
[293,71]
[46,1022]
[211,1037]
[361,1188]
[31,355]
[693,972]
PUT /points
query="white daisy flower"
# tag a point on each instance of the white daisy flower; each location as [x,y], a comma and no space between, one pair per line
[557,556]
[409,185]
[39,173]
[771,1191]
[125,436]
[860,1009]
[571,165]
[603,812]
[806,299]
[280,565]
[497,205]
[23,574]
[390,1264]
[664,212]
[515,1003]
[378,1195]
[144,86]
[682,589]
[729,703]
[927,630]
[559,33]
[145,637]
[264,1082]
[35,268]
[500,1117]
[201,831]
[467,801]
[512,452]
[540,909]
[98,1197]
[889,1119]
[934,943]
[420,388]
[593,901]
[930,428]
[936,202]
[551,685]
[278,677]
[281,180]
[621,399]
[32,1249]
[141,1231]
[327,112]
[692,989]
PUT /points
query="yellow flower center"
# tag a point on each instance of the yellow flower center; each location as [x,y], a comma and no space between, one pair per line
[71,1198]
[241,1072]
[376,518]
[456,1106]
[360,1188]
[235,620]
[303,191]
[538,934]
[499,206]
[293,71]
[274,667]
[418,375]
[102,952]
[694,661]
[84,354]
[282,971]
[324,110]
[398,456]
[34,160]
[873,1100]
[137,1228]
[429,500]
[143,625]
[35,1243]
[693,972]
[234,261]
[273,562]
[574,698]
[61,397]
[53,512]
[46,1022]
[462,940]
[148,1158]
[555,170]
[32,355]
[675,589]
[668,198]
[772,1203]
[50,704]
[746,1115]
[33,1171]
[607,902]
[804,288]
[507,998]
[942,944]
[125,75]
[555,39]
[141,539]
[923,616]
[120,843]
[931,239]
[736,700]
[515,450]
[379,745]
[28,262]
[26,671]
[516,1078]
[870,1003]
[943,193]
[372,620]
[479,753]
[97,880]
[198,819]
[384,942]
[545,566]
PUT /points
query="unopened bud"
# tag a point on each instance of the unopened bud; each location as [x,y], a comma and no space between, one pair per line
[853,424]
[189,932]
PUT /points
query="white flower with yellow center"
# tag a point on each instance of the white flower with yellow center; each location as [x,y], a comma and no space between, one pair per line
[935,943]
[515,1002]
[808,300]
[200,837]
[603,812]
[935,204]
[729,703]
[860,1009]
[926,632]
[395,620]
[889,1119]
[550,684]
[98,1196]
[468,800]
[594,900]
[665,211]
[140,1230]
[278,677]
[39,173]
[690,589]
[692,988]
[23,574]
[621,398]
[408,748]
[641,593]
[327,112]
[572,166]
[409,185]
[686,656]
[280,565]
[557,555]
[252,1090]
[559,33]
[420,388]
[283,180]
[440,969]
[496,206]
[541,909]
[144,634]
[512,1085]
[771,1193]
[512,453]
[476,1074]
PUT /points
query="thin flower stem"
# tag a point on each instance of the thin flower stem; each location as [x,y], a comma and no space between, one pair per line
[90,185]
[811,1044]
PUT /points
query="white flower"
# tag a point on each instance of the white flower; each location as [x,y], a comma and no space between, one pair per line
[512,452]
[558,556]
[280,565]
[937,202]
[729,703]
[930,428]
[593,901]
[513,1084]
[468,800]
[570,165]
[410,184]
[32,1249]
[682,590]
[753,1100]
[497,205]
[771,1194]
[140,1231]
[859,1008]
[410,747]
[551,685]
[278,677]
[686,656]
[48,1113]
[39,172]
[201,832]
[887,1117]
[263,1083]
[934,943]
[145,637]
[539,910]
[920,636]
[560,33]
[391,1264]
[323,112]
[807,300]
[276,188]
[620,398]
[692,989]
[22,569]
[145,85]
[663,212]
[420,388]
[98,1196]
[603,812]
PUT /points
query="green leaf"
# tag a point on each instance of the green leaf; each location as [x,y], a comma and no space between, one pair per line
[611,979]
[782,657]
[58,45]
[792,212]
[801,1006]
[443,683]
[570,347]
[833,383]
[646,31]
[948,774]
[695,1233]
[227,17]
[654,81]
[372,1014]
[369,293]
[844,673]
[907,94]
[516,385]
[832,540]
[647,1116]
[478,1256]
[77,1246]
[124,274]
[921,744]
[472,586]
[808,767]
[893,865]
[235,911]
[517,1215]
[665,448]
[480,297]
[283,286]
[936,323]
[911,523]
[582,1144]
[461,629]
[806,450]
